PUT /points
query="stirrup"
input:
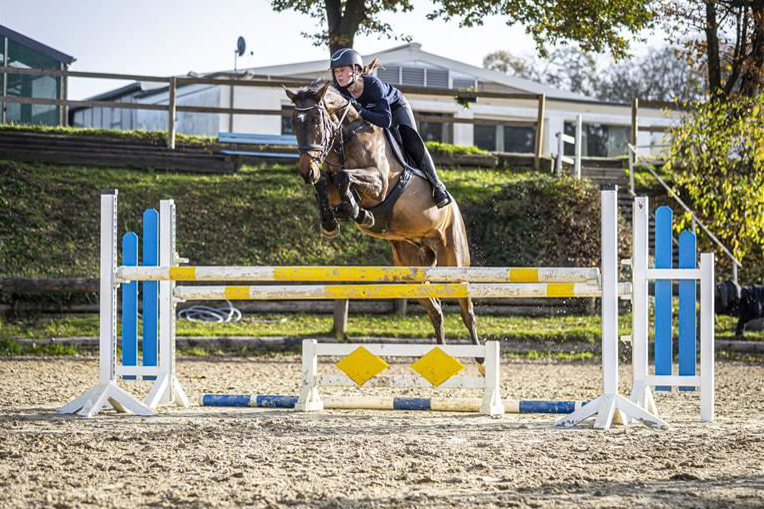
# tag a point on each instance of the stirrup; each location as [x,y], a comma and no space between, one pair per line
[440,196]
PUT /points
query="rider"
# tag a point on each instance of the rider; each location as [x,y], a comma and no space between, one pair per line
[383,105]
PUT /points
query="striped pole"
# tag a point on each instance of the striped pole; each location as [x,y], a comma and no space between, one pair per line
[393,291]
[363,274]
[515,406]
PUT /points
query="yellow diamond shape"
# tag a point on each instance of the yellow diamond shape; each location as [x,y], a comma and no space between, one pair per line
[437,366]
[361,365]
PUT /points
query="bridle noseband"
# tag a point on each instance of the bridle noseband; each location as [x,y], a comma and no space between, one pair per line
[330,134]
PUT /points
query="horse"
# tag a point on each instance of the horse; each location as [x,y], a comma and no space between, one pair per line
[358,176]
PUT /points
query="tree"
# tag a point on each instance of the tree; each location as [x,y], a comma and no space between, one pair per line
[567,68]
[340,21]
[659,75]
[597,25]
[717,159]
[724,37]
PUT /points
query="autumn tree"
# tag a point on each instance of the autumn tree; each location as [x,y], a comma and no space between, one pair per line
[597,25]
[723,37]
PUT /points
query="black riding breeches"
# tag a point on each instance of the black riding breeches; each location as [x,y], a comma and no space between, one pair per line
[403,121]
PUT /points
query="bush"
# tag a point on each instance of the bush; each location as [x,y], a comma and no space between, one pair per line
[717,158]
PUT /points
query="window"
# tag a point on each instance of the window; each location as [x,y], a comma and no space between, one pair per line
[600,140]
[413,76]
[519,139]
[32,86]
[286,121]
[437,78]
[389,75]
[485,137]
[460,83]
[434,130]
[503,138]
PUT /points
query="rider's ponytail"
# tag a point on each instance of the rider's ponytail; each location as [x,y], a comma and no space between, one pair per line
[373,65]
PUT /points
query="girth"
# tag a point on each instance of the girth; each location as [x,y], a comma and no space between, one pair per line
[383,213]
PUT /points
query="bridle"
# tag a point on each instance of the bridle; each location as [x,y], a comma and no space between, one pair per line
[330,134]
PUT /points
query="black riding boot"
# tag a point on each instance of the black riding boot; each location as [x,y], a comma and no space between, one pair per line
[439,193]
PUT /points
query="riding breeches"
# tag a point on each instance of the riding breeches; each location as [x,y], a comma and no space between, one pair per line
[403,121]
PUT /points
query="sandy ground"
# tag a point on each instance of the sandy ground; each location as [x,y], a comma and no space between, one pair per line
[206,457]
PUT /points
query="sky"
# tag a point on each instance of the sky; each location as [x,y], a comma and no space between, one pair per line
[173,37]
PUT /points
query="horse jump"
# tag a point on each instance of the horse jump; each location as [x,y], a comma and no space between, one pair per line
[398,282]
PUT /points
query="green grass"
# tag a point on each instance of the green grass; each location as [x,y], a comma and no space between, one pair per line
[545,329]
[558,328]
[436,147]
[158,138]
[259,216]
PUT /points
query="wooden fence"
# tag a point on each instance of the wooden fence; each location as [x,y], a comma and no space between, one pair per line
[173,82]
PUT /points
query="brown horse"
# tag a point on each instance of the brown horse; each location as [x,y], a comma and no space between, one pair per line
[357,176]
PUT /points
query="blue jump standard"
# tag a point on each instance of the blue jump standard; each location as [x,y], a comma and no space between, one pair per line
[527,406]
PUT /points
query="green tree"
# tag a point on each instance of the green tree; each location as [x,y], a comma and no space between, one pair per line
[717,158]
[597,25]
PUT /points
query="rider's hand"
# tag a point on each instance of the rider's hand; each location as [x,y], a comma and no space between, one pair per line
[356,105]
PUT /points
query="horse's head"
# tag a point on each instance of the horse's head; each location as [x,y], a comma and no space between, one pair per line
[312,124]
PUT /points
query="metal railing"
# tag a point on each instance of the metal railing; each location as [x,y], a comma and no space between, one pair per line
[562,139]
[634,162]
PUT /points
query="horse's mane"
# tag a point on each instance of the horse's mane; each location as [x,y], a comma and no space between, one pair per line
[332,96]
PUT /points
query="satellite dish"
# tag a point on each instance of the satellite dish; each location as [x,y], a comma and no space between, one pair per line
[241,46]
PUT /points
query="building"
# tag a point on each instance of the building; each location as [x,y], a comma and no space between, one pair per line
[23,52]
[492,123]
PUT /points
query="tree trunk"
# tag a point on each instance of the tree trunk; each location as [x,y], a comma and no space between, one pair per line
[752,80]
[342,26]
[712,42]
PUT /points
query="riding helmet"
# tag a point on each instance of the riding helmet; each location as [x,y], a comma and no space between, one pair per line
[346,56]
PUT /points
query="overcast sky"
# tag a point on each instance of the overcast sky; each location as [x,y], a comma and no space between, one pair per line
[171,37]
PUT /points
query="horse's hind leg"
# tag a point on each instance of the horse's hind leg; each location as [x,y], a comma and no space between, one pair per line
[405,254]
[456,254]
[469,319]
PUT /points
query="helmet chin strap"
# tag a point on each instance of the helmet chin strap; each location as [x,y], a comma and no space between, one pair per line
[352,82]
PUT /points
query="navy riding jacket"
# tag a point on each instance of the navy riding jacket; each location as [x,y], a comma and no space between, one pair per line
[378,99]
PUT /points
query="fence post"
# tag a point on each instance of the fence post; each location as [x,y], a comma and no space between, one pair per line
[62,109]
[341,318]
[539,132]
[634,136]
[171,115]
[6,63]
[560,151]
[577,163]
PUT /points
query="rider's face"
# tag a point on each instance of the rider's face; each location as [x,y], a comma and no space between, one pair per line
[344,75]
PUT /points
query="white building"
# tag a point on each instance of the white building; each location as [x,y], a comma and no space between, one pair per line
[606,125]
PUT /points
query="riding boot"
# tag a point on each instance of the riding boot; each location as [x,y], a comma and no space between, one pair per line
[439,193]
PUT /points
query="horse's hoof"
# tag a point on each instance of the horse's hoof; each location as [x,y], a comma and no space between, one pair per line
[330,233]
[481,368]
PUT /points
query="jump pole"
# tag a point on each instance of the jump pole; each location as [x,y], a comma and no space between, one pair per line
[513,406]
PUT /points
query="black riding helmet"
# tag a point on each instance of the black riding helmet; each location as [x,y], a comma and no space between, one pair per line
[343,57]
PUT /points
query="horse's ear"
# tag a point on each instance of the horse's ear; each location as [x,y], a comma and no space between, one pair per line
[291,95]
[322,91]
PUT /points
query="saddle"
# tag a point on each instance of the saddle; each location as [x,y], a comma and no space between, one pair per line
[383,213]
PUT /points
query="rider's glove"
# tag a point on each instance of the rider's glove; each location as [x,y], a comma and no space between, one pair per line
[356,105]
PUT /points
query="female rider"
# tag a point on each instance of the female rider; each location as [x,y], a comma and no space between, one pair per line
[383,105]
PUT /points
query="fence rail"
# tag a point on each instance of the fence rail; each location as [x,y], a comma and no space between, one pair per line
[174,82]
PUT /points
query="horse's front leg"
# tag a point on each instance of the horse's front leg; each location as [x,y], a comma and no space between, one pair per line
[367,181]
[329,225]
